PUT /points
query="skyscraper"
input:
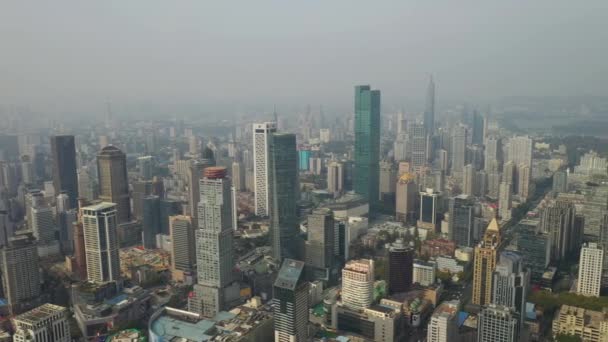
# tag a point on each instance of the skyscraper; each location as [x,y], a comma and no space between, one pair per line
[443,325]
[335,177]
[367,143]
[214,242]
[183,253]
[459,143]
[418,142]
[484,264]
[461,221]
[400,267]
[560,181]
[497,323]
[45,323]
[469,180]
[504,201]
[320,243]
[238,176]
[429,112]
[195,172]
[429,202]
[261,139]
[290,292]
[101,242]
[520,150]
[511,284]
[20,272]
[492,154]
[284,191]
[405,198]
[558,220]
[358,284]
[523,181]
[113,181]
[590,270]
[63,153]
[150,221]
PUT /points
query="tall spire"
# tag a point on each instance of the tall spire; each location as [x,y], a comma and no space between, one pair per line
[429,112]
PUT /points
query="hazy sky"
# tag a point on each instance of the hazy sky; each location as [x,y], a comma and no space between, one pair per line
[83,53]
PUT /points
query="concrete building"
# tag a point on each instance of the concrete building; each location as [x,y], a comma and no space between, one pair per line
[261,140]
[358,284]
[63,155]
[511,284]
[460,221]
[113,181]
[590,267]
[290,292]
[320,244]
[469,180]
[400,267]
[406,191]
[497,323]
[388,177]
[443,325]
[504,201]
[101,242]
[484,264]
[20,274]
[335,177]
[424,273]
[588,325]
[183,252]
[46,323]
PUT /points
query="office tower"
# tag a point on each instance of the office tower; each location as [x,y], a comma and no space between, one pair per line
[405,197]
[469,186]
[27,170]
[429,111]
[238,176]
[590,270]
[459,143]
[478,128]
[335,177]
[150,221]
[113,181]
[401,147]
[558,220]
[86,188]
[43,224]
[358,284]
[214,236]
[460,221]
[482,183]
[582,324]
[168,207]
[195,172]
[509,175]
[304,159]
[193,145]
[141,190]
[523,181]
[183,253]
[484,264]
[418,146]
[443,325]
[45,323]
[65,221]
[560,181]
[290,292]
[6,228]
[284,191]
[80,250]
[493,185]
[428,209]
[316,166]
[400,267]
[497,323]
[320,244]
[504,201]
[388,175]
[520,150]
[145,166]
[511,284]
[423,272]
[20,272]
[261,143]
[492,154]
[101,242]
[367,143]
[63,152]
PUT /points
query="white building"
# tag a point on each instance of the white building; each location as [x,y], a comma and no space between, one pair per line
[497,323]
[358,284]
[424,272]
[504,201]
[101,242]
[335,177]
[520,150]
[261,139]
[46,323]
[590,270]
[443,325]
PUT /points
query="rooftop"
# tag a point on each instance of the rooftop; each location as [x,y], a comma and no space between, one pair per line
[40,313]
[99,206]
[290,274]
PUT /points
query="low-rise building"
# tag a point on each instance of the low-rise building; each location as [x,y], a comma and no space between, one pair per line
[424,272]
[587,324]
[45,323]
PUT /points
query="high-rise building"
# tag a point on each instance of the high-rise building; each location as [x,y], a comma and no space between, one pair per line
[478,128]
[43,224]
[469,180]
[367,143]
[86,188]
[145,166]
[590,270]
[418,145]
[214,242]
[401,147]
[429,111]
[511,284]
[509,175]
[290,292]
[320,243]
[460,221]
[493,184]
[113,181]
[388,175]
[101,242]
[497,323]
[560,181]
[492,155]
[429,202]
[238,176]
[443,325]
[558,220]
[195,172]
[358,284]
[520,150]
[504,201]
[45,323]
[459,144]
[484,264]
[335,177]
[150,221]
[523,181]
[183,253]
[405,197]
[400,267]
[262,134]
[63,153]
[284,191]
[20,273]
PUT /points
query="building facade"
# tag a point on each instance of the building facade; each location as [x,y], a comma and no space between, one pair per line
[367,143]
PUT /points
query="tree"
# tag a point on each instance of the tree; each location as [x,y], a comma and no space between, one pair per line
[567,338]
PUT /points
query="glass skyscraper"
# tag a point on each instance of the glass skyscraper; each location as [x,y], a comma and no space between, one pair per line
[367,143]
